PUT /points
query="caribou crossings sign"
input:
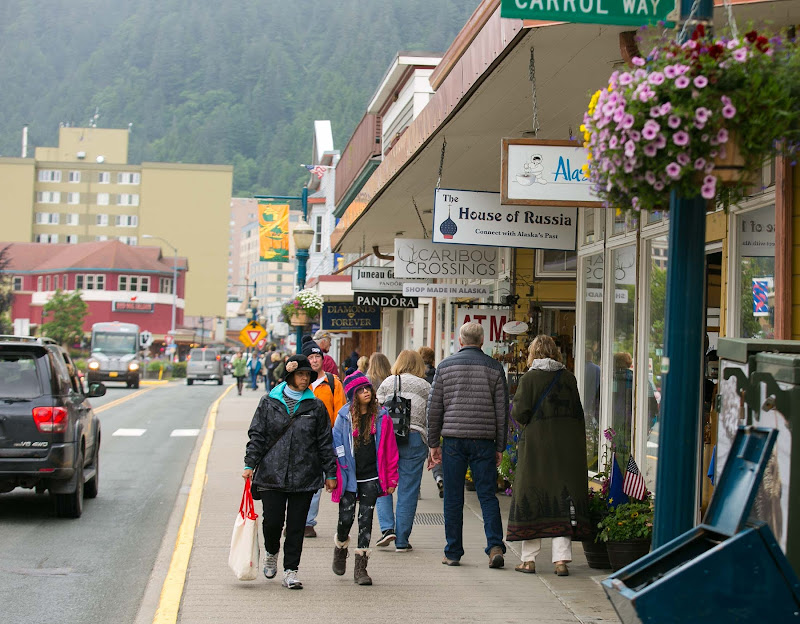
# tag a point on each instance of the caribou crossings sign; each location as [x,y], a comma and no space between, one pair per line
[616,12]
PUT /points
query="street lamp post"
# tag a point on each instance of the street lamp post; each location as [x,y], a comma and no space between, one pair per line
[174,276]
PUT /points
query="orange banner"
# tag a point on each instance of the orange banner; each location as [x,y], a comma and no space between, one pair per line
[273,232]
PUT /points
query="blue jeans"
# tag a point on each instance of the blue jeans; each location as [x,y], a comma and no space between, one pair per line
[479,456]
[409,468]
[311,519]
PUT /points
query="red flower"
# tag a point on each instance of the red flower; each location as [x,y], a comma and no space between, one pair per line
[751,36]
[715,51]
[762,44]
[699,31]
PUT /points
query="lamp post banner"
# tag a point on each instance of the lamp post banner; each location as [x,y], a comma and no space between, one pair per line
[615,12]
[422,258]
[478,218]
[273,231]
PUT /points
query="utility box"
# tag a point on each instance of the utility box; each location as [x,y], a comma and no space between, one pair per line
[724,570]
[759,385]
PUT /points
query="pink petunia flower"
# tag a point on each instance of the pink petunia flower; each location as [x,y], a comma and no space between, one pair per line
[659,185]
[650,177]
[638,61]
[673,170]
[681,82]
[656,78]
[699,164]
[729,111]
[702,114]
[673,121]
[613,142]
[666,108]
[722,136]
[740,55]
[627,121]
[625,79]
[683,159]
[650,150]
[661,141]
[655,111]
[669,72]
[700,81]
[650,130]
[680,138]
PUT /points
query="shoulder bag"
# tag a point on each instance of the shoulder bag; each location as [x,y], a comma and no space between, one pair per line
[400,411]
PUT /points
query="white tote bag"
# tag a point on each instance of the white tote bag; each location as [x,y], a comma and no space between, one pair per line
[243,558]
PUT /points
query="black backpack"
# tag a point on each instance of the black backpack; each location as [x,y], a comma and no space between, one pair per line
[400,411]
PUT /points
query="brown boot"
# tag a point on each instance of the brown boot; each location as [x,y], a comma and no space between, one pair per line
[360,576]
[496,557]
[340,556]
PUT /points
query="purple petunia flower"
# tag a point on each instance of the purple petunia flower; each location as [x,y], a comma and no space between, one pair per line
[650,150]
[681,82]
[673,121]
[650,130]
[655,111]
[680,138]
[700,163]
[661,141]
[673,170]
[656,78]
[627,121]
[683,159]
[702,114]
[722,136]
[613,142]
[729,111]
[740,55]
[700,81]
[635,135]
[666,108]
[650,177]
[630,149]
[628,167]
[625,79]
[638,61]
[670,72]
[659,185]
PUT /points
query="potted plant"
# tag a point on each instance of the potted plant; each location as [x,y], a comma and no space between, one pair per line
[305,305]
[627,531]
[692,115]
[594,549]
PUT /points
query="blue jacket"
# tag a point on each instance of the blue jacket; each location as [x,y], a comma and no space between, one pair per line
[385,447]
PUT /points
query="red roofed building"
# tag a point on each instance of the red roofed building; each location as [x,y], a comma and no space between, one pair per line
[119,282]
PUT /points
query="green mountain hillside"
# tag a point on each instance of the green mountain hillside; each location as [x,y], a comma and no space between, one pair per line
[208,81]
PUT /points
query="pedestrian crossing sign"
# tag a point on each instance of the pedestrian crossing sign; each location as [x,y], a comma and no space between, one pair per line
[252,334]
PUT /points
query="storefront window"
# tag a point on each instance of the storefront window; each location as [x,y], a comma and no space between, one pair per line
[655,314]
[623,261]
[552,263]
[756,267]
[592,268]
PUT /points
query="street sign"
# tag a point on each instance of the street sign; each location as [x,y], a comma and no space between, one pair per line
[616,12]
[251,334]
[145,338]
[261,344]
[169,339]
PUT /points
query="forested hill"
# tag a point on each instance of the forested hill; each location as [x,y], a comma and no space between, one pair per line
[208,81]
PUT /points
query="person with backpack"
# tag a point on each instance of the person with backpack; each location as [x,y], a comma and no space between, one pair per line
[289,456]
[366,450]
[407,381]
[254,368]
[328,389]
[239,369]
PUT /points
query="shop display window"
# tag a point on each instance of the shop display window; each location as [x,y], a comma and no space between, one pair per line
[591,339]
[755,272]
[593,225]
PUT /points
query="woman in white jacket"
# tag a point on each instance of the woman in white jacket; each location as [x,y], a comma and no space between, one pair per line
[409,373]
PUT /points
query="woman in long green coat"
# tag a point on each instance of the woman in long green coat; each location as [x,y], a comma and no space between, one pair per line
[550,487]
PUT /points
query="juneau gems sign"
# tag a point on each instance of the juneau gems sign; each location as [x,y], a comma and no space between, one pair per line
[376,279]
[425,259]
[478,218]
[616,12]
[544,173]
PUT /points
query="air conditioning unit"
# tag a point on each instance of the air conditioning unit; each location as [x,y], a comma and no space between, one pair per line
[81,155]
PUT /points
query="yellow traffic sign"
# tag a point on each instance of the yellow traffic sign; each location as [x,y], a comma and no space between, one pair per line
[252,334]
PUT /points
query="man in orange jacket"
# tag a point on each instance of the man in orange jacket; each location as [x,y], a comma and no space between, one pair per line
[328,389]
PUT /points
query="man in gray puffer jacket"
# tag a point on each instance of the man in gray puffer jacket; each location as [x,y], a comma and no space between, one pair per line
[468,408]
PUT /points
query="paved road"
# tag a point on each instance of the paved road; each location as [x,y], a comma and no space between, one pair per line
[94,569]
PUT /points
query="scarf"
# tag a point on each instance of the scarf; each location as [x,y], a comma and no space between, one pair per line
[546,364]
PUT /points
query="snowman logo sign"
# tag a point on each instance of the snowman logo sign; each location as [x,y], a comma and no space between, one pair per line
[532,172]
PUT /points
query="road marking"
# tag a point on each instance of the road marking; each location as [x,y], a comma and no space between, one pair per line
[172,589]
[116,402]
[184,433]
[132,433]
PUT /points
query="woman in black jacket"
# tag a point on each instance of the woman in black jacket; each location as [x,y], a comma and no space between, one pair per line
[290,448]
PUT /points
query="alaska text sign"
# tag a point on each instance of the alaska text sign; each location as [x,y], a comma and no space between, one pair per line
[616,12]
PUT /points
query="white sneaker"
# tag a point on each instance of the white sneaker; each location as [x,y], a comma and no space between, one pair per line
[290,580]
[270,565]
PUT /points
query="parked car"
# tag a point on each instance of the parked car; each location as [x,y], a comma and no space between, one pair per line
[49,434]
[204,364]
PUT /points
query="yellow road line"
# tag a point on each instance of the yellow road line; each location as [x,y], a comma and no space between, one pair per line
[128,397]
[172,590]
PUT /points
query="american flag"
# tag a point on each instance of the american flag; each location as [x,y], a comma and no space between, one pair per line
[317,170]
[633,485]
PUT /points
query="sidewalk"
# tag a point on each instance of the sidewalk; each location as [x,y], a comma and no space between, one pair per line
[408,587]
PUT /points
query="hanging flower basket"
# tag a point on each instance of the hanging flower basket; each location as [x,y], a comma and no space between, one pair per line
[298,319]
[693,117]
[303,307]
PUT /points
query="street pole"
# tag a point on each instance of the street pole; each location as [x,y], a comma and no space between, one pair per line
[302,261]
[679,434]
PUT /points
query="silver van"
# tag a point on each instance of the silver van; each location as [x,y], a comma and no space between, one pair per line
[204,365]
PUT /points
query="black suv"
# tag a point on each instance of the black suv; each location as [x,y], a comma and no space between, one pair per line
[49,435]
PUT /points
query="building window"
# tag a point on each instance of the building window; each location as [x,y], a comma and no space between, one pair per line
[318,235]
[127,199]
[134,283]
[552,263]
[66,281]
[72,239]
[48,218]
[47,283]
[165,285]
[39,283]
[17,284]
[74,176]
[754,272]
[127,220]
[102,220]
[104,177]
[55,282]
[102,237]
[279,289]
[48,197]
[128,240]
[102,199]
[72,218]
[128,177]
[73,198]
[46,238]
[90,281]
[49,175]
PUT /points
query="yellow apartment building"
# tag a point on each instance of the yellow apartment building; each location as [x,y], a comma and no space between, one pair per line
[85,190]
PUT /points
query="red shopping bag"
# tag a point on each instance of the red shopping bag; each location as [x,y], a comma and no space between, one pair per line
[243,558]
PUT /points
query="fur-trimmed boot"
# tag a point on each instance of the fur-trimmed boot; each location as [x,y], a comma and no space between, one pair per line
[360,575]
[340,556]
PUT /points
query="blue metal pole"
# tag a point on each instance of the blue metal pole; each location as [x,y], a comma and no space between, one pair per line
[302,260]
[679,433]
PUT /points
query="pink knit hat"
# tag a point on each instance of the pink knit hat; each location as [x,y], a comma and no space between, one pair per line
[354,382]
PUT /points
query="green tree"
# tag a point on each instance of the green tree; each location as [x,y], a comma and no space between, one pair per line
[65,314]
[6,292]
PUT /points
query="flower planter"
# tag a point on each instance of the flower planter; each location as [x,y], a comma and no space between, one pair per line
[298,319]
[622,553]
[596,555]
